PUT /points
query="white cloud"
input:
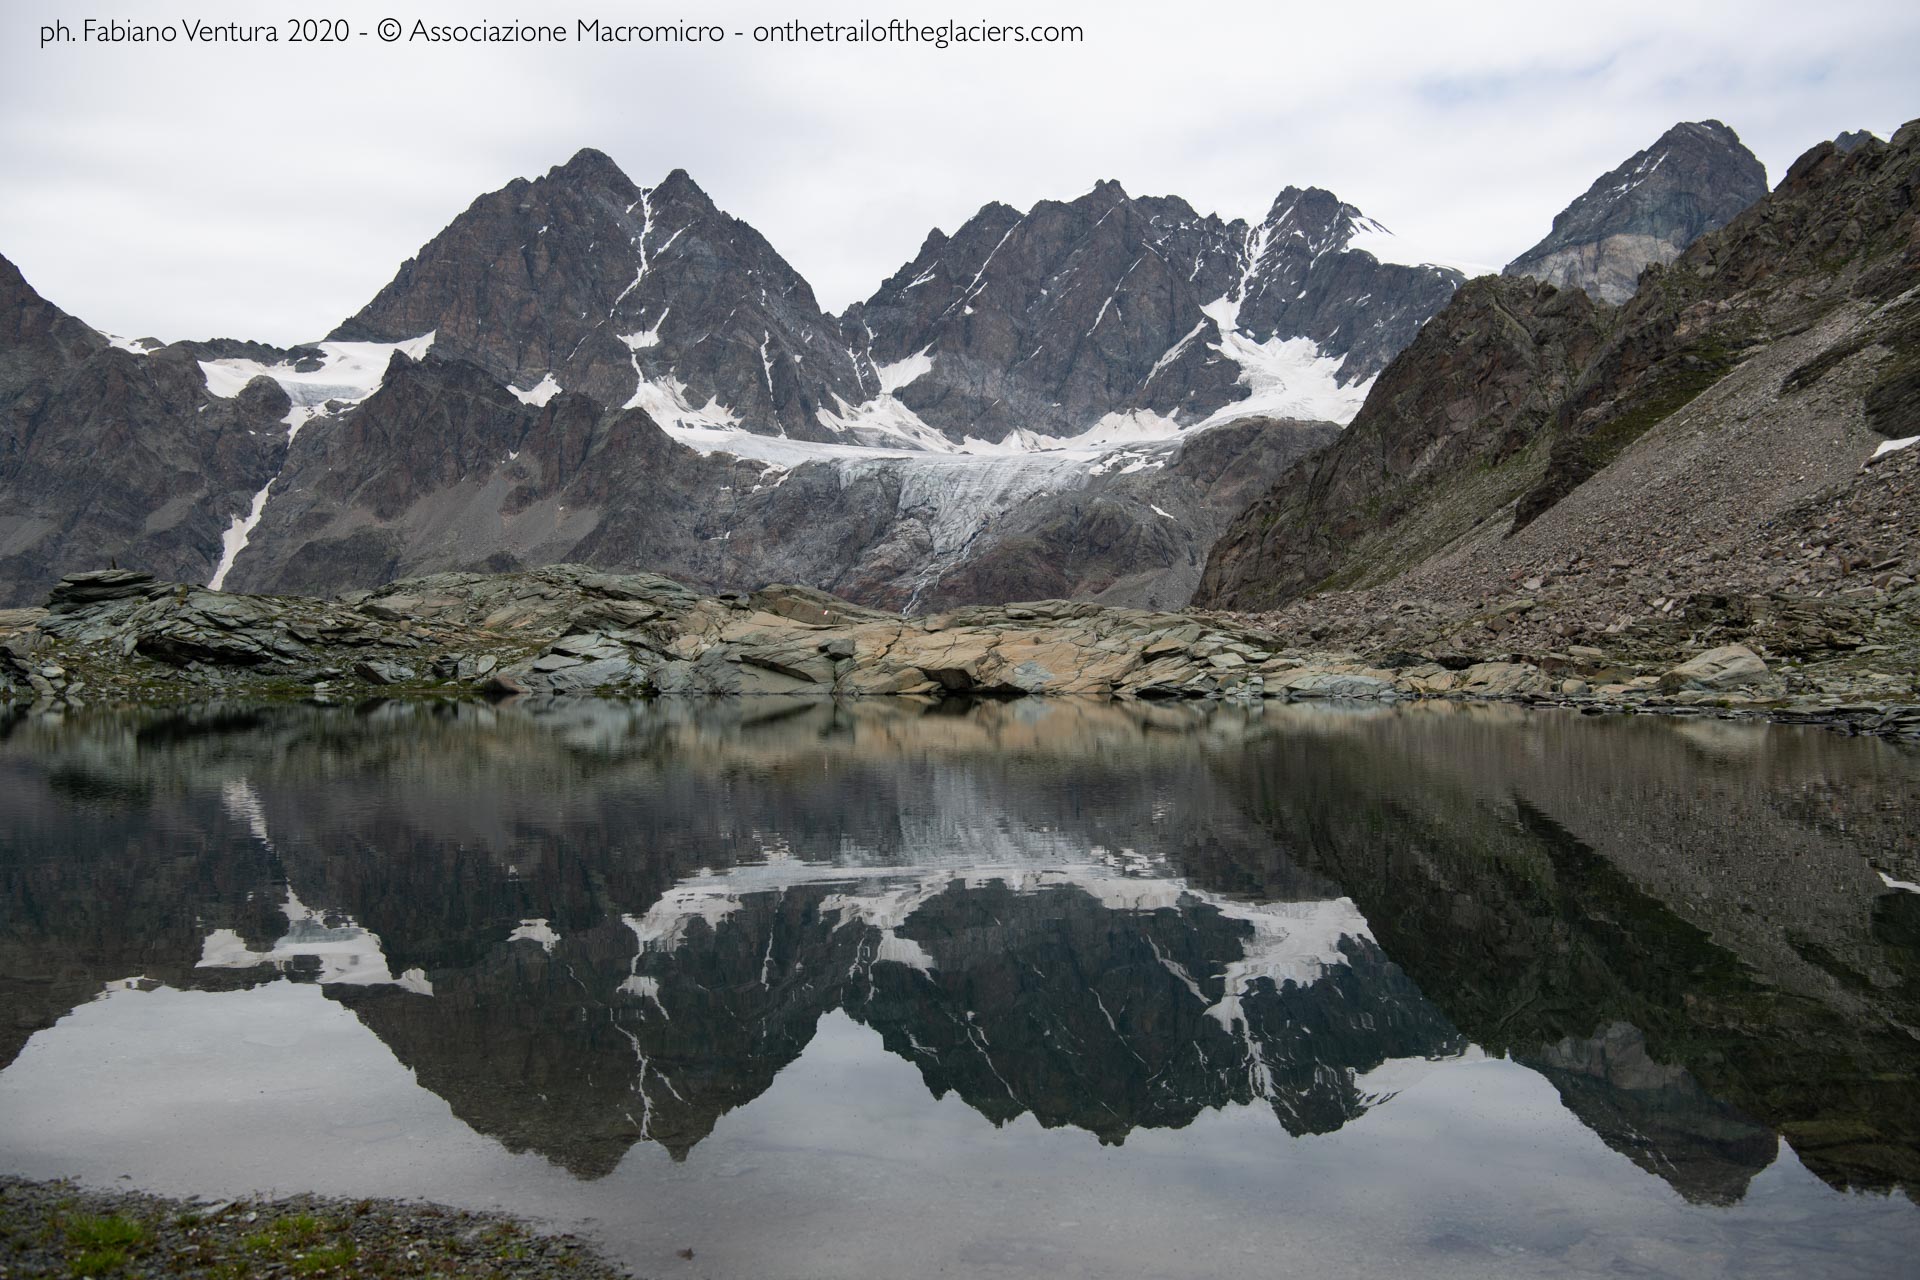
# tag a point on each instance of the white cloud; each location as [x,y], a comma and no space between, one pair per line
[268,192]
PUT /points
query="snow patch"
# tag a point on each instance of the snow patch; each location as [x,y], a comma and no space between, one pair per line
[1906,886]
[665,401]
[883,421]
[1294,942]
[1284,377]
[346,952]
[544,390]
[536,931]
[238,534]
[646,337]
[899,373]
[1132,427]
[1894,446]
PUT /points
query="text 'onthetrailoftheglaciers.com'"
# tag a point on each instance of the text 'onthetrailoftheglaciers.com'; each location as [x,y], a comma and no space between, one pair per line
[893,32]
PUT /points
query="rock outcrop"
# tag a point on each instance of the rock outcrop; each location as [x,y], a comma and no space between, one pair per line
[125,639]
[1696,178]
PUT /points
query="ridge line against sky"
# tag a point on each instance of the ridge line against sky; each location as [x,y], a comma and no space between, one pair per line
[255,192]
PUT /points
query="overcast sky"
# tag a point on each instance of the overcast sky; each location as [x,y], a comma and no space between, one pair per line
[269,191]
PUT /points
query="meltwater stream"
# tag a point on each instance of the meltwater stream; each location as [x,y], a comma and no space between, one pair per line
[1019,989]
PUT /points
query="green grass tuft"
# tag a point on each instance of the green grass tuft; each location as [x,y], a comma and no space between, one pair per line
[93,1231]
[325,1259]
[98,1262]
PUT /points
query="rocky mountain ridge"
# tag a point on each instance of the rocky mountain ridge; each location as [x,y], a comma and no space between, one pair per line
[1030,325]
[1552,470]
[1076,313]
[501,404]
[582,369]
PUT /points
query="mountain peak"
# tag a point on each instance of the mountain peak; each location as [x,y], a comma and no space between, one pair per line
[679,188]
[1695,178]
[591,167]
[1712,130]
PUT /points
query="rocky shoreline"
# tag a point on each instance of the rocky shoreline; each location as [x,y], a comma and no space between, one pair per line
[60,1228]
[121,638]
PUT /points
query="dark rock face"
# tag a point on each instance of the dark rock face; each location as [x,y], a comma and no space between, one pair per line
[602,285]
[1656,1114]
[106,454]
[1693,180]
[443,468]
[1519,394]
[1467,399]
[1048,321]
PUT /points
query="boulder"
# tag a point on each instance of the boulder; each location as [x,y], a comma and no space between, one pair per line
[380,671]
[1504,680]
[1731,666]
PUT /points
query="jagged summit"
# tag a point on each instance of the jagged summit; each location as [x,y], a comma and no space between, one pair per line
[1096,313]
[649,298]
[1075,315]
[1694,178]
[591,166]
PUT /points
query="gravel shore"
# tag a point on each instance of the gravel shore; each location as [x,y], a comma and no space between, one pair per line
[60,1229]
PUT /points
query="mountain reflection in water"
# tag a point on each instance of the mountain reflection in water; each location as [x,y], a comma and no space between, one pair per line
[589,926]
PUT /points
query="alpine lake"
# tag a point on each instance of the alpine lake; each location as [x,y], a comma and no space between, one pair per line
[1042,987]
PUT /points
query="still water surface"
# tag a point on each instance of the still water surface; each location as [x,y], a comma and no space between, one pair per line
[1020,989]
